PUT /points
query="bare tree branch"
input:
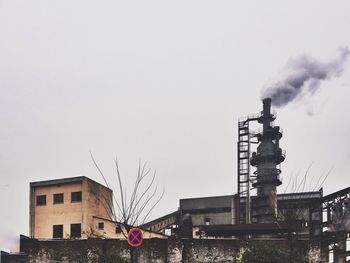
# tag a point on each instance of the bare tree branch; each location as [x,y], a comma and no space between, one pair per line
[150,210]
[140,177]
[145,203]
[324,173]
[304,179]
[143,193]
[329,172]
[120,187]
[104,179]
[137,207]
[290,179]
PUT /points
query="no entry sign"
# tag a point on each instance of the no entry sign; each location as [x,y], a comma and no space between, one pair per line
[135,237]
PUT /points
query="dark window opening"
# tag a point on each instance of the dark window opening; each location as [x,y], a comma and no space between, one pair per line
[41,200]
[76,197]
[58,198]
[75,230]
[207,221]
[118,229]
[57,231]
[101,225]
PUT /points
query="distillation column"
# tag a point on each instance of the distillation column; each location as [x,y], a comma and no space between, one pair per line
[266,159]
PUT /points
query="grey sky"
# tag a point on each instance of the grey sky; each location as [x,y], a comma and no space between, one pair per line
[162,81]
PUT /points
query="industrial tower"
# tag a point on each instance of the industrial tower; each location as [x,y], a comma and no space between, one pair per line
[261,208]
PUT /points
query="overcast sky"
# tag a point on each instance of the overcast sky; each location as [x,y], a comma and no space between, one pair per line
[164,81]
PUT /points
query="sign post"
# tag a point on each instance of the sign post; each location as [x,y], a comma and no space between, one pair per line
[135,237]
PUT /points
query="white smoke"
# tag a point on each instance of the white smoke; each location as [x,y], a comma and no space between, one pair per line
[303,75]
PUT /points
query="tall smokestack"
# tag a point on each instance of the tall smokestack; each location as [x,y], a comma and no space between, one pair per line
[267,117]
[266,159]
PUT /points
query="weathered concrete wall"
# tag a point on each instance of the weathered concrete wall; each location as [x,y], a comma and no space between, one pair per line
[110,250]
[96,202]
[12,258]
[210,250]
[152,250]
[45,216]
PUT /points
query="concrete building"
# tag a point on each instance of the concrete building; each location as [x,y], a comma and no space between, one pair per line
[70,208]
[217,210]
[217,216]
[75,207]
[222,210]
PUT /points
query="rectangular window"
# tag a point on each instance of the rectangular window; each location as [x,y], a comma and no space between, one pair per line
[41,200]
[57,231]
[207,221]
[76,197]
[101,225]
[118,229]
[75,230]
[58,198]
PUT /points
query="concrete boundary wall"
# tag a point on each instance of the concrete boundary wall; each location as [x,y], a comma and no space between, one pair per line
[152,250]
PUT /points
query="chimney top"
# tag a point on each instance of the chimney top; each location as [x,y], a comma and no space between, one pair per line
[267,101]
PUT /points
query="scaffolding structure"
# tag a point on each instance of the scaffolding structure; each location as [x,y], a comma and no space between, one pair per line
[243,155]
[243,169]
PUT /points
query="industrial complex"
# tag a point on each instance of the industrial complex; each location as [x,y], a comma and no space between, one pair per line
[258,211]
[79,208]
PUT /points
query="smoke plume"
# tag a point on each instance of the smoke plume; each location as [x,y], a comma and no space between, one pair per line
[302,75]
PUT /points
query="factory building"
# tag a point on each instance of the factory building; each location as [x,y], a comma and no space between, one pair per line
[220,210]
[69,208]
[75,207]
[258,211]
[216,212]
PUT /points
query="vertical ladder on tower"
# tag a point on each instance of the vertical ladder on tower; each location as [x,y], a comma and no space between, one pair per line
[243,155]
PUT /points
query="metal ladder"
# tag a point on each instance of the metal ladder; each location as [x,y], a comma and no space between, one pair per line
[243,156]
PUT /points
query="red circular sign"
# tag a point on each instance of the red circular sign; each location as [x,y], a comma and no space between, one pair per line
[135,237]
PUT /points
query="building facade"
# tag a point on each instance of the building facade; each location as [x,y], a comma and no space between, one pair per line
[221,211]
[75,207]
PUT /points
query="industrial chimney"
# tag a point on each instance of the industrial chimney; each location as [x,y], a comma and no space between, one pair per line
[266,160]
